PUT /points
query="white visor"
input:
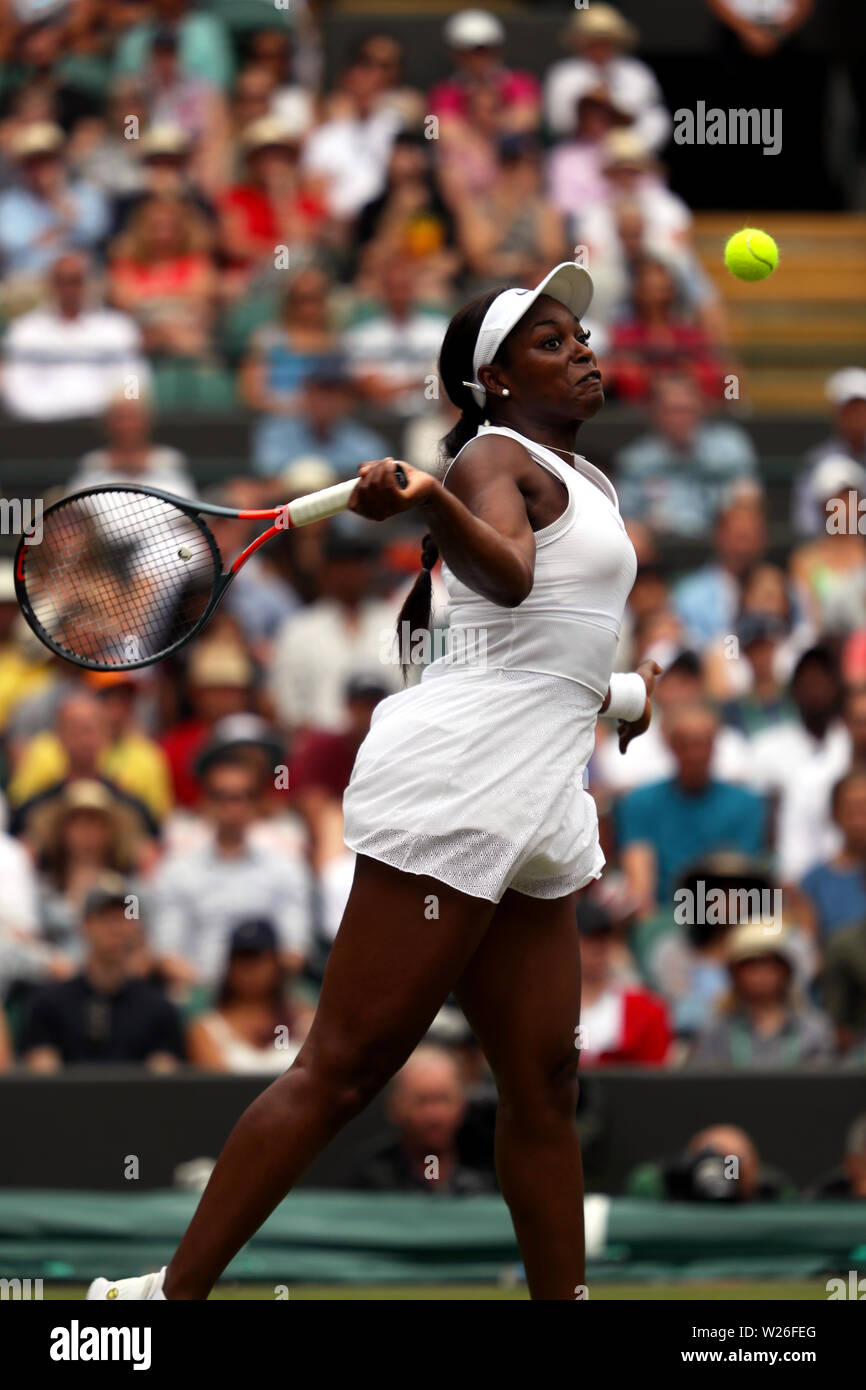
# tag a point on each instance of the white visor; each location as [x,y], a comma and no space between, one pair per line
[569,283]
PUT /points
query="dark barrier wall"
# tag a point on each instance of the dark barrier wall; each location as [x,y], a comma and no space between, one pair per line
[79,1131]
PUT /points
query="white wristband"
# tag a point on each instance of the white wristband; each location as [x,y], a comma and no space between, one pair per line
[627,696]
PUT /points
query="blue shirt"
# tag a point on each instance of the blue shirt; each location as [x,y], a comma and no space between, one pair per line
[24,217]
[838,896]
[277,439]
[684,826]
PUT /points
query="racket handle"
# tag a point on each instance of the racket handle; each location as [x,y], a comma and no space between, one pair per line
[318,505]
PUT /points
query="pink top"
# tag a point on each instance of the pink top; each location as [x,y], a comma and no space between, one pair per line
[513,88]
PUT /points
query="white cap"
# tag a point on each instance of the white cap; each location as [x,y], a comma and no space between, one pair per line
[837,474]
[847,385]
[568,282]
[474,29]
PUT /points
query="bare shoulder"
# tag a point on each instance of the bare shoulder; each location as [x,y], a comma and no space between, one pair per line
[484,460]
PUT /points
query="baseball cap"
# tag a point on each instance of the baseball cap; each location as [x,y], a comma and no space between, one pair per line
[847,385]
[239,731]
[474,29]
[110,890]
[752,940]
[568,282]
[253,937]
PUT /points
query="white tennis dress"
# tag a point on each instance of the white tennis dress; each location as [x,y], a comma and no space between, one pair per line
[475,775]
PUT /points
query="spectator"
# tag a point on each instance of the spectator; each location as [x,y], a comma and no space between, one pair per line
[654,336]
[662,827]
[600,39]
[220,679]
[719,1164]
[829,572]
[71,358]
[321,426]
[575,168]
[20,951]
[351,151]
[798,763]
[621,1022]
[202,895]
[513,231]
[25,669]
[708,599]
[763,1022]
[836,890]
[97,733]
[164,170]
[650,758]
[767,702]
[846,392]
[83,834]
[275,206]
[78,746]
[292,59]
[409,219]
[385,55]
[130,456]
[204,48]
[100,153]
[632,175]
[393,350]
[188,103]
[252,1027]
[104,1014]
[46,213]
[344,631]
[677,475]
[843,984]
[426,1104]
[849,1180]
[476,40]
[162,272]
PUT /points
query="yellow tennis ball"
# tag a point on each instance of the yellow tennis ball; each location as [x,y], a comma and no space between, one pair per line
[751,254]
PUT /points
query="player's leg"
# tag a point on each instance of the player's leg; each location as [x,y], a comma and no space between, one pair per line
[521,995]
[392,965]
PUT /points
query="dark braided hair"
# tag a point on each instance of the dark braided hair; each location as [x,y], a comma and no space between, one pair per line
[455,367]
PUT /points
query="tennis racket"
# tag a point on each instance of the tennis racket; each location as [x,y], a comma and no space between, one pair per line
[124,575]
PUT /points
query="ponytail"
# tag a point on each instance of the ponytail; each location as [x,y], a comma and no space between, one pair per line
[455,369]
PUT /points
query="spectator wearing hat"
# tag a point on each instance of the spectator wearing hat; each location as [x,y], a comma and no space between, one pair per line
[763,1022]
[621,1022]
[631,174]
[322,425]
[203,893]
[575,169]
[164,162]
[426,1105]
[46,213]
[78,746]
[130,454]
[82,834]
[105,1014]
[836,889]
[220,679]
[761,639]
[846,393]
[600,39]
[192,104]
[829,572]
[663,826]
[293,59]
[393,350]
[476,40]
[798,763]
[71,357]
[253,1027]
[126,757]
[277,204]
[100,152]
[347,629]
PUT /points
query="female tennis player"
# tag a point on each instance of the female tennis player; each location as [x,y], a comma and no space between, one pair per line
[466,806]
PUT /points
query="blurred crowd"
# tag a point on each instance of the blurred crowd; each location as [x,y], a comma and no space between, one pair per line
[191,216]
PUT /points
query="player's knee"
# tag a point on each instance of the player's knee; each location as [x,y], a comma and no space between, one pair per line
[547,1090]
[345,1078]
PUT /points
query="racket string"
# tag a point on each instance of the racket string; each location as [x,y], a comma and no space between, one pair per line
[119,577]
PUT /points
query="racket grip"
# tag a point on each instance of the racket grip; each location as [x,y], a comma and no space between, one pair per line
[317,505]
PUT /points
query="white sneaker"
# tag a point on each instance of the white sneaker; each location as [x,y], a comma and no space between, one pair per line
[144,1289]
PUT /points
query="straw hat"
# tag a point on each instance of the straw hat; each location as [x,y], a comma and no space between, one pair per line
[600,21]
[84,794]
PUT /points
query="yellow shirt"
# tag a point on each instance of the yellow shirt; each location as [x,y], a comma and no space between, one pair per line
[134,762]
